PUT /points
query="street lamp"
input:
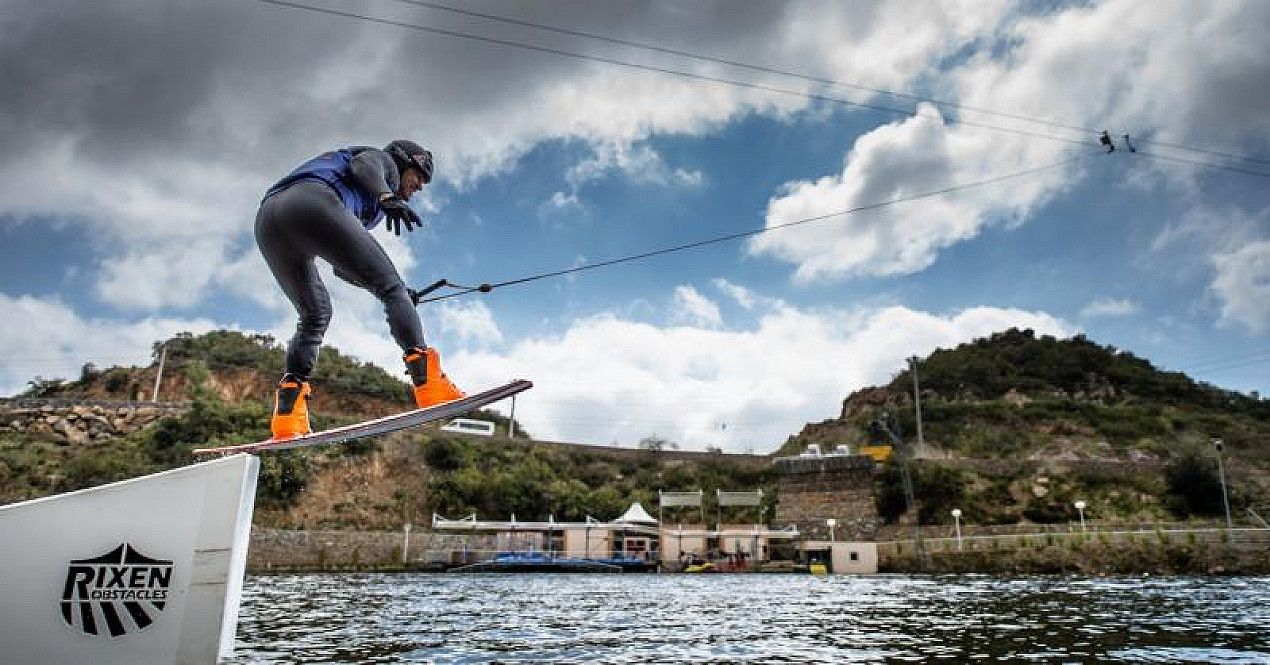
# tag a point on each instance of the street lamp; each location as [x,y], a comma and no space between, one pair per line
[831,522]
[1221,474]
[1080,506]
[956,513]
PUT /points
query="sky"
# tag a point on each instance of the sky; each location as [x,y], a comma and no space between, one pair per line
[899,177]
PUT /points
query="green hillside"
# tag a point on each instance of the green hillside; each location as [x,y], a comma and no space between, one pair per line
[228,379]
[1018,427]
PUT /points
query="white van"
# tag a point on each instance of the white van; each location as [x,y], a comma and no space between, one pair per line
[470,426]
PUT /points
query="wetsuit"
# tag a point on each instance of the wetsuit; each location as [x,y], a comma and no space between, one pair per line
[326,208]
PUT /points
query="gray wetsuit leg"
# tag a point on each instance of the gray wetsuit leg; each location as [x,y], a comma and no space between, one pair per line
[305,221]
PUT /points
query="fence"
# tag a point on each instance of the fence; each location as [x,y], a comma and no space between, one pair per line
[1244,539]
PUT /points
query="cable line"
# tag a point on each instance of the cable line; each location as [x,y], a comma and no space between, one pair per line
[702,77]
[485,288]
[663,70]
[1195,162]
[1231,362]
[807,77]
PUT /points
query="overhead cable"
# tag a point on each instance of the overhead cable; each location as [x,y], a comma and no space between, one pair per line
[800,75]
[703,77]
[485,288]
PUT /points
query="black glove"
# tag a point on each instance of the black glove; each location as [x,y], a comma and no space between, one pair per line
[397,213]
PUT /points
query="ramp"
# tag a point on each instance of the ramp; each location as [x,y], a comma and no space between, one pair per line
[147,570]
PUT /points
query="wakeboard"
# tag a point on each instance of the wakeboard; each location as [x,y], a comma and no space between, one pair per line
[378,426]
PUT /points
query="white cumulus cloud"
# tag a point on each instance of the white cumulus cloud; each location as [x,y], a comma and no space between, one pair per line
[1110,307]
[47,339]
[1243,286]
[695,309]
[612,378]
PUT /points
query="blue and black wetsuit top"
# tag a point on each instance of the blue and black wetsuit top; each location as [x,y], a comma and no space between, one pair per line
[359,175]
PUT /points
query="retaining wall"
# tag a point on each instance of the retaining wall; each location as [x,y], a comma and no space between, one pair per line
[81,421]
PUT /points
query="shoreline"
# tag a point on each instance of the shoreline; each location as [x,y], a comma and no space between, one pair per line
[1214,552]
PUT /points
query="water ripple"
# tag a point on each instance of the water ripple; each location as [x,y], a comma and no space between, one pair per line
[750,619]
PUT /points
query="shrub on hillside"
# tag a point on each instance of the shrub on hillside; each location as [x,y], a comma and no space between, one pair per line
[283,476]
[1193,486]
[447,454]
[937,489]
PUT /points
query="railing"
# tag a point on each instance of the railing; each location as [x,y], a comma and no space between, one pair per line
[1241,538]
[903,532]
[456,556]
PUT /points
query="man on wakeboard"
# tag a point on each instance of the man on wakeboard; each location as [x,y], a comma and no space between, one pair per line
[326,209]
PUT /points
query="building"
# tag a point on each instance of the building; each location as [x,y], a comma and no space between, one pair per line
[828,497]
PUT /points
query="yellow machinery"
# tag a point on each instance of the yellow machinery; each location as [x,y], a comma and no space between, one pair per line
[878,453]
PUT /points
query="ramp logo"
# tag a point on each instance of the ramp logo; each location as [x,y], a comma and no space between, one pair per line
[120,591]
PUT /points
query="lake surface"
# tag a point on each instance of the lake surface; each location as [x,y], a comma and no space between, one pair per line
[375,618]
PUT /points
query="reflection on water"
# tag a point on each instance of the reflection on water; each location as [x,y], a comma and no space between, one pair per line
[750,618]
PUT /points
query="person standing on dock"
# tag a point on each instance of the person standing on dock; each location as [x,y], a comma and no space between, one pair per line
[326,208]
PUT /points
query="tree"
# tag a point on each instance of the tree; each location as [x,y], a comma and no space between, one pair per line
[1193,486]
[446,454]
[656,443]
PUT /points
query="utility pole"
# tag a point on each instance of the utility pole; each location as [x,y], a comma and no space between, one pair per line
[917,404]
[158,377]
[909,496]
[1221,474]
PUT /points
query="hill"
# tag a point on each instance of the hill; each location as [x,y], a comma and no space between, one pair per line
[235,368]
[1018,395]
[228,378]
[1017,427]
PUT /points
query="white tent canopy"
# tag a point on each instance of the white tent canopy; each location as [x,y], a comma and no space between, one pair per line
[636,515]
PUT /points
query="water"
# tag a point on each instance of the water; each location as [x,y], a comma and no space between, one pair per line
[751,618]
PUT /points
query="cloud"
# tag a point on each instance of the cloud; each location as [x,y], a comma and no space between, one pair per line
[606,378]
[1242,285]
[167,155]
[171,275]
[695,309]
[1089,64]
[470,322]
[640,163]
[162,156]
[743,296]
[1110,307]
[896,161]
[560,203]
[55,342]
[612,378]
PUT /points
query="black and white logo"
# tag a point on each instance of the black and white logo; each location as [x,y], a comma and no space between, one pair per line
[118,592]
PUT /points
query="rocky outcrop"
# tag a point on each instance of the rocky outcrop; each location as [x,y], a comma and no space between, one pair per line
[80,422]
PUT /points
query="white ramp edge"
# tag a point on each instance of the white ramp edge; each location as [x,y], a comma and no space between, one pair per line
[146,570]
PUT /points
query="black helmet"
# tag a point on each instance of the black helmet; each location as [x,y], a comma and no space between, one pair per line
[408,154]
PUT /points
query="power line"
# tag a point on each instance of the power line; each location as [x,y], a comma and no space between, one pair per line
[1221,360]
[1231,362]
[663,70]
[1195,162]
[807,77]
[700,77]
[753,232]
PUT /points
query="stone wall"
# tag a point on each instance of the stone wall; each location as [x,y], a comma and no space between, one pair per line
[81,421]
[277,550]
[813,490]
[1157,552]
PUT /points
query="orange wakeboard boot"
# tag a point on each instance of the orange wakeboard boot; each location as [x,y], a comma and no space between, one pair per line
[291,408]
[431,385]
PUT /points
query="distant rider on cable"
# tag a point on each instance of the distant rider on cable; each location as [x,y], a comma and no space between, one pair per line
[326,208]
